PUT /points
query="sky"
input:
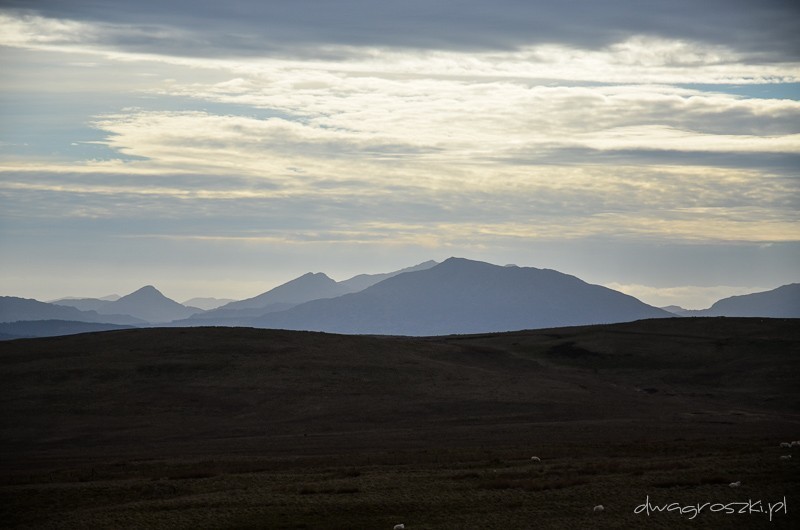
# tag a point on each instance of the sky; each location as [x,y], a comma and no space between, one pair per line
[222,148]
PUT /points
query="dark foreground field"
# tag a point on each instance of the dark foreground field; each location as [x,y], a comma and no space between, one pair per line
[245,428]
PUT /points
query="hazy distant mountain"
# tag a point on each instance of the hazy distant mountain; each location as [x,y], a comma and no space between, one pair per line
[464,296]
[310,286]
[230,317]
[362,281]
[313,286]
[13,309]
[149,304]
[52,328]
[783,302]
[676,310]
[84,304]
[208,303]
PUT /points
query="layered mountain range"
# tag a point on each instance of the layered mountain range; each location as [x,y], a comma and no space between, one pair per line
[455,296]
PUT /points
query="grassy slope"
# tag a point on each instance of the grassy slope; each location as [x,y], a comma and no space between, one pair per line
[242,427]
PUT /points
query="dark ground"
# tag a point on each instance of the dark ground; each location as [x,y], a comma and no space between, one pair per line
[234,427]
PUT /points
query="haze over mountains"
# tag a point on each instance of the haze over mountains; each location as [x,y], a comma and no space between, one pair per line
[207,303]
[455,296]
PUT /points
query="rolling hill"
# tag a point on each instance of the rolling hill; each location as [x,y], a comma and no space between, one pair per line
[230,387]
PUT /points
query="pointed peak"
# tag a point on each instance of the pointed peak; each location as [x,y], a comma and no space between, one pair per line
[148,291]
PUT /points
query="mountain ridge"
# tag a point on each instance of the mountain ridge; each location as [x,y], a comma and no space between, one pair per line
[294,291]
[14,309]
[458,295]
[463,296]
[781,302]
[305,288]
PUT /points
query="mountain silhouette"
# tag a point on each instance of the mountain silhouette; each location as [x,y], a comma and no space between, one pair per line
[150,305]
[362,281]
[14,309]
[456,296]
[783,302]
[310,286]
[314,286]
[465,296]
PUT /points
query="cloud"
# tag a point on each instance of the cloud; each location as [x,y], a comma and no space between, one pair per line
[630,58]
[461,126]
[442,146]
[765,29]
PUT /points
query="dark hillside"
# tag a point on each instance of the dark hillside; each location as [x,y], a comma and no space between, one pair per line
[222,389]
[239,427]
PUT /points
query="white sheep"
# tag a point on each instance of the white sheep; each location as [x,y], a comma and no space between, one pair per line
[735,484]
[535,459]
[598,508]
[786,444]
[796,443]
[400,526]
[786,457]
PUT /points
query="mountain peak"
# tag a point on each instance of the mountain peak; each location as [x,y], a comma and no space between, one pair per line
[146,292]
[147,289]
[302,289]
[453,260]
[316,275]
[148,303]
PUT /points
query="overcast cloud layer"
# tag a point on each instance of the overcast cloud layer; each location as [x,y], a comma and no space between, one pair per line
[222,148]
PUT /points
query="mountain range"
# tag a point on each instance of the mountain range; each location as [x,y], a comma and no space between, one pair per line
[146,304]
[13,309]
[310,286]
[453,297]
[464,296]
